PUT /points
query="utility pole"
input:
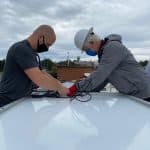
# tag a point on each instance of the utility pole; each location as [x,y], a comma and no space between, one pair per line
[78,59]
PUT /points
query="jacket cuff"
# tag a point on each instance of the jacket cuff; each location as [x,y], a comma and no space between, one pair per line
[72,91]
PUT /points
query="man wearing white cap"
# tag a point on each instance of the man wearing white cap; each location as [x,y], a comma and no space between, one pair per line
[116,66]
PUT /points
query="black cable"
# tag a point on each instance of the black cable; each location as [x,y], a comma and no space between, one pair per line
[82,94]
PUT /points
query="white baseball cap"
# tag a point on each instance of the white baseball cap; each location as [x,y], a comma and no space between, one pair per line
[81,37]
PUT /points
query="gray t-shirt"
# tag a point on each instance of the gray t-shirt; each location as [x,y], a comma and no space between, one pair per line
[15,83]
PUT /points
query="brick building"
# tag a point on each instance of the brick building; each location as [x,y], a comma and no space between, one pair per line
[65,73]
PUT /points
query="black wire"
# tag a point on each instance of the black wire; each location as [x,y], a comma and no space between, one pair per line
[78,96]
[82,94]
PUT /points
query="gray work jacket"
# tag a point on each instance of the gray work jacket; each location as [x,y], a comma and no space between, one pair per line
[120,68]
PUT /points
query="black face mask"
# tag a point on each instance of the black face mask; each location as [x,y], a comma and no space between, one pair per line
[41,47]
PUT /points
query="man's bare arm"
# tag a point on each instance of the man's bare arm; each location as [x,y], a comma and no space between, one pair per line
[45,80]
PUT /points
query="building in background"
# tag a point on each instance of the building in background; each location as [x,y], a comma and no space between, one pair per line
[71,73]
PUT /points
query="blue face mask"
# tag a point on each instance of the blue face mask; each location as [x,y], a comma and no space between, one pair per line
[91,52]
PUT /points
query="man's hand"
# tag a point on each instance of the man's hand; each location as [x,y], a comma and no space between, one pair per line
[63,91]
[45,81]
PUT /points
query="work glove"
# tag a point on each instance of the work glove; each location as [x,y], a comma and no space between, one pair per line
[72,91]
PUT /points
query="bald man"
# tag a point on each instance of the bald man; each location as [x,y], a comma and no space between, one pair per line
[22,67]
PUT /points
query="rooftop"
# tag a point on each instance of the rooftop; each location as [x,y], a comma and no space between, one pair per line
[110,121]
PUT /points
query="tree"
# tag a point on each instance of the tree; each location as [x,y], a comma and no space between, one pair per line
[143,63]
[2,63]
[47,64]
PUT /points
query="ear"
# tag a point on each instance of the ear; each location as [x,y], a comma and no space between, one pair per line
[91,42]
[40,38]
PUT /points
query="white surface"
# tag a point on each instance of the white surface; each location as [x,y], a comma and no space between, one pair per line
[86,74]
[107,122]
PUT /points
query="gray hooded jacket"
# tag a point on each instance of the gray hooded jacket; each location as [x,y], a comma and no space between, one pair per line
[120,68]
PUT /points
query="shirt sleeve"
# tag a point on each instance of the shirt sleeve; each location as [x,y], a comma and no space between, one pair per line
[113,54]
[24,57]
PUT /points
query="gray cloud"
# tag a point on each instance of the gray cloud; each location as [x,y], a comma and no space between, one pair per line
[129,18]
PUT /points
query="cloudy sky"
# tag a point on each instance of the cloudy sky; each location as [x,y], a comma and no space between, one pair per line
[129,18]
